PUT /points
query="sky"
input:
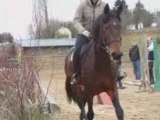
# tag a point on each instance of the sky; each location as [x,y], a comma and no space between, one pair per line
[16,15]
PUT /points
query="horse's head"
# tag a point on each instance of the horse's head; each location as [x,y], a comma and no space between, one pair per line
[107,30]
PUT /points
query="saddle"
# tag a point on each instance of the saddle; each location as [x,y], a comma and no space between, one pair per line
[83,51]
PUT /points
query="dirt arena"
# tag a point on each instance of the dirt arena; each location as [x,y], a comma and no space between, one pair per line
[136,105]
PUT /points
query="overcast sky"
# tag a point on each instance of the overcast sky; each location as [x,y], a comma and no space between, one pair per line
[16,15]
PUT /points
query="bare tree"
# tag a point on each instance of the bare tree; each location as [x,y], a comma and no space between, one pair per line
[31,31]
[40,18]
[19,86]
[157,18]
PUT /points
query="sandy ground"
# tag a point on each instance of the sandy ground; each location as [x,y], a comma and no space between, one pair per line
[137,106]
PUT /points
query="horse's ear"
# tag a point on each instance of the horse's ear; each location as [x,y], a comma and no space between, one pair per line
[106,9]
[119,9]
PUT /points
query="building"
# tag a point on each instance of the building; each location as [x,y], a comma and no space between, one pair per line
[48,50]
[54,46]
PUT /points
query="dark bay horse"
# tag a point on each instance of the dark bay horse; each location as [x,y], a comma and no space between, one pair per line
[98,69]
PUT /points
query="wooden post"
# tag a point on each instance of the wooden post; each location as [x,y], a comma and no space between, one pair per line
[144,64]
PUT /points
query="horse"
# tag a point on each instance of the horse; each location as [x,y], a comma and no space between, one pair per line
[98,68]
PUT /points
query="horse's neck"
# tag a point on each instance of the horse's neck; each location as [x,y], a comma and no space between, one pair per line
[102,58]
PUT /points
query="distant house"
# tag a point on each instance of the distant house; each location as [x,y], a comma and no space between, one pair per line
[51,46]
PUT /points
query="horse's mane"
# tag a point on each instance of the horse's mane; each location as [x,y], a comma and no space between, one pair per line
[103,18]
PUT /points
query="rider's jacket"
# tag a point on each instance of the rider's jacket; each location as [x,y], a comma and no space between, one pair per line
[86,14]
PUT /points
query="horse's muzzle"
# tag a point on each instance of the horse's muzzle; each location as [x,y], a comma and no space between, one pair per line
[117,56]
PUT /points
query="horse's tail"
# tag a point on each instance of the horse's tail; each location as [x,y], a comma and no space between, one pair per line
[68,90]
[68,72]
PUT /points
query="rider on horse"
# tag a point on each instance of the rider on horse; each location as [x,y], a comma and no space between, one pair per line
[84,18]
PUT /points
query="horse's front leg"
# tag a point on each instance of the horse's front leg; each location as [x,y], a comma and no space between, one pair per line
[90,114]
[117,106]
[81,104]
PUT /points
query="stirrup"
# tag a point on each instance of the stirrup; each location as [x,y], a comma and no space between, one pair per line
[74,79]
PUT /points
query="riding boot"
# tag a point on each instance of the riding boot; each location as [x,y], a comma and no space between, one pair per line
[76,76]
[81,40]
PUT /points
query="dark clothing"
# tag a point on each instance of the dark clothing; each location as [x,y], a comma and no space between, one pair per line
[134,53]
[135,58]
[151,77]
[81,40]
[150,66]
[150,55]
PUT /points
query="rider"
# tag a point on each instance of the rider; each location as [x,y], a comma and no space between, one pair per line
[84,17]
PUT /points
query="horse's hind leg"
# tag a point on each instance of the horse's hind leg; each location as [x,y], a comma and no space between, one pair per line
[117,106]
[90,114]
[81,103]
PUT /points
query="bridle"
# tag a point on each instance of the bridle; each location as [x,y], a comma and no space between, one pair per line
[106,41]
[104,47]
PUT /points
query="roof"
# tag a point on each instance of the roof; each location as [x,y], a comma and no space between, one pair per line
[47,42]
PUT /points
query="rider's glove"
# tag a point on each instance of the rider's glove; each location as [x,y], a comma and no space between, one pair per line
[86,33]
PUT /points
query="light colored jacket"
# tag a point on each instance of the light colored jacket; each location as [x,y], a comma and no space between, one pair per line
[86,14]
[151,46]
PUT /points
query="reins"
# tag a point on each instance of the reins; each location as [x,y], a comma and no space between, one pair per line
[104,47]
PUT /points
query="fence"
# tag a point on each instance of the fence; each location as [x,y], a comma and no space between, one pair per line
[48,109]
[49,62]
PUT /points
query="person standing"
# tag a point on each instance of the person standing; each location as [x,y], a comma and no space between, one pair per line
[150,59]
[135,59]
